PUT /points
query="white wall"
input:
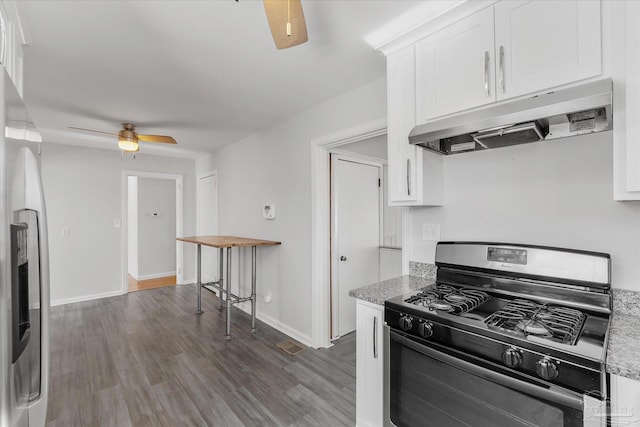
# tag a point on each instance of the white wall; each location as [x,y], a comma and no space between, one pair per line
[390,263]
[274,167]
[132,221]
[83,193]
[156,234]
[556,194]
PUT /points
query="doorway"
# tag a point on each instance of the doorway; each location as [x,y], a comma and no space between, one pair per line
[152,219]
[355,234]
[321,221]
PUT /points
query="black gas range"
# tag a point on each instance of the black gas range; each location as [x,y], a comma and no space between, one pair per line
[508,320]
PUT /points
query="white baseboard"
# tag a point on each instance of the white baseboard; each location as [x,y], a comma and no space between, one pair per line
[188,281]
[155,275]
[64,301]
[276,324]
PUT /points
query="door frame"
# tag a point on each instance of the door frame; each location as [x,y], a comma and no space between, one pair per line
[320,223]
[198,228]
[124,243]
[334,282]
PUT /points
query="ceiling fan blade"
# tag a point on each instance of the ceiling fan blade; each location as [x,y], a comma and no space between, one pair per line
[92,130]
[279,13]
[156,138]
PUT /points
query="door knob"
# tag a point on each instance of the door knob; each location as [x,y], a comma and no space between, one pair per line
[343,258]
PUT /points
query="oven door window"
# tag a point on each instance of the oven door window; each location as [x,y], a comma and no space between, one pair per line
[428,387]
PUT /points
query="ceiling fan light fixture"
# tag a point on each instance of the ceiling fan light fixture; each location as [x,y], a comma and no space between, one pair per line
[127,141]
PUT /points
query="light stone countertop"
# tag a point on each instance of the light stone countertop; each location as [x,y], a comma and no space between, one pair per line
[623,352]
[378,293]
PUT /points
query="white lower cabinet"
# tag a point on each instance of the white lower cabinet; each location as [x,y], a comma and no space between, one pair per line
[369,364]
[625,402]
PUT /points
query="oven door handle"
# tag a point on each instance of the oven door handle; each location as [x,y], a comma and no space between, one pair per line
[553,395]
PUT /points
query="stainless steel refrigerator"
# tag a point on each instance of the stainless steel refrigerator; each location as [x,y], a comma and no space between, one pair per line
[24,268]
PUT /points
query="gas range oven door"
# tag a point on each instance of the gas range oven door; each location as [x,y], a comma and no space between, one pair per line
[428,386]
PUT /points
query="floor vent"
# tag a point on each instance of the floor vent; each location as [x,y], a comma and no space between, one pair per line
[290,347]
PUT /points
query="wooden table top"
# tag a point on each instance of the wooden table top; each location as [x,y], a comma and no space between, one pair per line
[226,241]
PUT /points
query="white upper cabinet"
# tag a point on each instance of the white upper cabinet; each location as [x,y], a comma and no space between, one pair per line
[455,67]
[544,44]
[626,101]
[511,49]
[400,121]
[415,175]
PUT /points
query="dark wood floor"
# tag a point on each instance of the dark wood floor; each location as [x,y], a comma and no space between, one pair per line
[146,359]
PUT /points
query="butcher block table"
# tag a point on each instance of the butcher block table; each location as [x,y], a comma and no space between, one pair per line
[228,242]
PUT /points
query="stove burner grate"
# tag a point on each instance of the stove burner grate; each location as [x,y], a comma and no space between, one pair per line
[524,317]
[449,299]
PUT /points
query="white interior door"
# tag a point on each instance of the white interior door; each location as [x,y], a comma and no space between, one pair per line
[208,223]
[356,195]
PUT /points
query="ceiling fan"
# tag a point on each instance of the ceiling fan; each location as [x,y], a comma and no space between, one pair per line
[128,137]
[286,21]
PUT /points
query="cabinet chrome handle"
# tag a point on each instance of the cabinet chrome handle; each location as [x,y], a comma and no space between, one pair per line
[408,177]
[375,337]
[486,72]
[502,68]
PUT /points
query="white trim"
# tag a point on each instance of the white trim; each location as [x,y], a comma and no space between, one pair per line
[64,301]
[156,276]
[320,218]
[179,179]
[358,158]
[418,24]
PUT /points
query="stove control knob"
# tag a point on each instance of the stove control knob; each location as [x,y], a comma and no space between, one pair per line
[425,329]
[546,368]
[512,357]
[405,323]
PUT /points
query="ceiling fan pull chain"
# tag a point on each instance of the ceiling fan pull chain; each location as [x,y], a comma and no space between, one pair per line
[288,18]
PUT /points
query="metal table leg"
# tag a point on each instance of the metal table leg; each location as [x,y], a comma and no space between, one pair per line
[253,289]
[221,280]
[199,284]
[227,334]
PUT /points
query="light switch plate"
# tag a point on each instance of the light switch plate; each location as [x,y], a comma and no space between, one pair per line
[431,232]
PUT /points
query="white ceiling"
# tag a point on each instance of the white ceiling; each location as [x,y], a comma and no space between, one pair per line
[205,72]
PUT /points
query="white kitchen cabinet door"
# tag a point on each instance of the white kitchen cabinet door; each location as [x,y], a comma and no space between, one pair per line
[625,401]
[369,364]
[626,101]
[400,121]
[415,176]
[544,44]
[455,67]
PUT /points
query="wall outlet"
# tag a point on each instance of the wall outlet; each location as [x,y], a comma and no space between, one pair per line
[267,297]
[431,232]
[64,232]
[116,223]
